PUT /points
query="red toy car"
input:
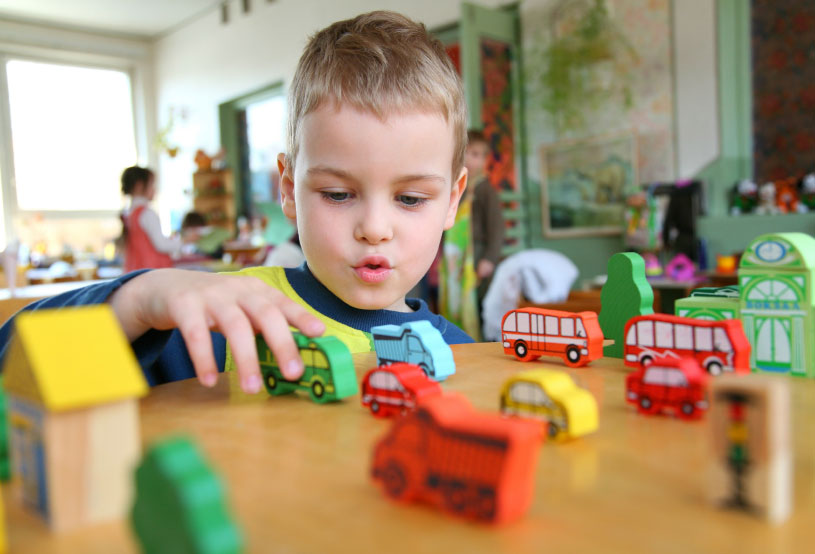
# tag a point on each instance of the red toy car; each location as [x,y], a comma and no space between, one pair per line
[390,390]
[477,465]
[678,385]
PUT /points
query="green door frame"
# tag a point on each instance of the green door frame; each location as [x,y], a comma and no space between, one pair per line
[230,135]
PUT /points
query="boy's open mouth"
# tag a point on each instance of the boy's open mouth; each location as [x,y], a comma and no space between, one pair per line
[373,269]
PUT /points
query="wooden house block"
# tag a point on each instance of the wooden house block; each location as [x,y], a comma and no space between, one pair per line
[72,384]
[777,305]
[751,465]
[712,303]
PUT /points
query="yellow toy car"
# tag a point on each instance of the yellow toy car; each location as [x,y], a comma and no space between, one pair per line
[551,396]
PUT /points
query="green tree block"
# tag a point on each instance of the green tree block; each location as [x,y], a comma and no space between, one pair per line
[626,294]
[180,506]
[5,462]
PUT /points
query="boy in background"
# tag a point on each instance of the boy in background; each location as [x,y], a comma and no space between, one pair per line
[372,176]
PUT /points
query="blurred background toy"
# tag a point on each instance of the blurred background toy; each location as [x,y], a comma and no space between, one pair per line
[786,195]
[744,197]
[807,194]
[766,199]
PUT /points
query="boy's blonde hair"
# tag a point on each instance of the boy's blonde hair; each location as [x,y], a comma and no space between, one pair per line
[380,62]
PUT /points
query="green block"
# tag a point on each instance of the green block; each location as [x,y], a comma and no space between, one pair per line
[328,376]
[708,307]
[626,294]
[180,506]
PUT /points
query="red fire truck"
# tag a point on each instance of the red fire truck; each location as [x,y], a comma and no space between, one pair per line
[718,346]
[529,333]
[476,465]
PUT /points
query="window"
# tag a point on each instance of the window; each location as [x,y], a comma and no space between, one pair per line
[631,337]
[645,332]
[320,360]
[665,334]
[551,325]
[567,327]
[523,322]
[655,376]
[704,338]
[684,337]
[385,380]
[720,340]
[509,322]
[414,345]
[522,393]
[580,331]
[72,134]
[675,378]
[308,357]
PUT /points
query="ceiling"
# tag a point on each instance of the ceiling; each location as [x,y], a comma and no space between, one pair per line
[143,18]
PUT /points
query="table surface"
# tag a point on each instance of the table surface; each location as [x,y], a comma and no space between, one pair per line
[297,476]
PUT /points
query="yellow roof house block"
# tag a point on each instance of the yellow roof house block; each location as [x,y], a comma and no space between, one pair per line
[72,358]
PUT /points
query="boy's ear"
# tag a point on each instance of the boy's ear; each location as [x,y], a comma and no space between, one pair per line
[459,186]
[286,188]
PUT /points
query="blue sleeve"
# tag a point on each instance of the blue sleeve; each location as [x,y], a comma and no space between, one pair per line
[162,355]
[452,334]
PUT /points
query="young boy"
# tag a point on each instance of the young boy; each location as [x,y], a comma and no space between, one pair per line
[373,175]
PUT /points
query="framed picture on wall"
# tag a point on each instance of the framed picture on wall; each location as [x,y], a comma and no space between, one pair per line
[584,185]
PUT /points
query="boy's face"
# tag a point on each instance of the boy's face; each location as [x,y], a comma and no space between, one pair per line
[371,199]
[475,158]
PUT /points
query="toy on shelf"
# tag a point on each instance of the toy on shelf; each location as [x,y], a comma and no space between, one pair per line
[626,294]
[414,342]
[5,458]
[766,199]
[718,346]
[776,280]
[726,264]
[786,196]
[671,384]
[329,370]
[680,268]
[711,303]
[395,389]
[529,333]
[550,396]
[180,504]
[476,465]
[752,455]
[73,414]
[652,266]
[806,198]
[744,198]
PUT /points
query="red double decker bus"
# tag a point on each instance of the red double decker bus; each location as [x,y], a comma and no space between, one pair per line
[718,346]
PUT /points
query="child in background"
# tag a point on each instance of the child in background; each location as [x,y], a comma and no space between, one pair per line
[144,244]
[487,220]
[372,176]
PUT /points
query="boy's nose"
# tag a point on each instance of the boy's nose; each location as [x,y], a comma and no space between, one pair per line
[373,225]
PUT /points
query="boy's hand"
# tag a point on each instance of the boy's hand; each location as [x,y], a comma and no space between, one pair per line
[237,306]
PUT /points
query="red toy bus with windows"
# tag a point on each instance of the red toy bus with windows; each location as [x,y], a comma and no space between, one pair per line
[718,346]
[529,333]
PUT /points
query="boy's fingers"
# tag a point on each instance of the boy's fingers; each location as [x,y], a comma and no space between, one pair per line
[301,318]
[193,327]
[275,328]
[235,326]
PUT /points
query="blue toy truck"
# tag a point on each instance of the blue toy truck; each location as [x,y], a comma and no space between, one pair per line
[414,342]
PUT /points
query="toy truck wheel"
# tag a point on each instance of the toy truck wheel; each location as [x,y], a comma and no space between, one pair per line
[646,405]
[485,505]
[317,391]
[646,360]
[426,369]
[374,407]
[573,356]
[455,496]
[273,384]
[687,409]
[714,368]
[552,430]
[522,352]
[397,480]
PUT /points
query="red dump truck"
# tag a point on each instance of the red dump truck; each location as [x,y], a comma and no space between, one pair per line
[476,465]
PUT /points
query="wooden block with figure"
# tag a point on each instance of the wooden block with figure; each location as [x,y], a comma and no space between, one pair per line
[713,303]
[529,333]
[776,282]
[73,385]
[328,373]
[626,294]
[476,465]
[414,342]
[751,467]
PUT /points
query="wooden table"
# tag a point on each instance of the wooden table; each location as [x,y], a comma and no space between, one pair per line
[297,476]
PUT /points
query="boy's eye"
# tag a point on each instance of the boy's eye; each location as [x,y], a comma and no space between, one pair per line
[336,196]
[411,201]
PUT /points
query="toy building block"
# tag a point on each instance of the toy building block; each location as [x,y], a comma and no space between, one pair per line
[752,455]
[776,280]
[5,458]
[529,333]
[712,303]
[395,389]
[72,384]
[329,370]
[626,294]
[718,346]
[180,504]
[550,396]
[476,465]
[669,385]
[414,342]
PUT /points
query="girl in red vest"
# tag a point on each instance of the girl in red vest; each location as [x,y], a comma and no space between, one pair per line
[144,244]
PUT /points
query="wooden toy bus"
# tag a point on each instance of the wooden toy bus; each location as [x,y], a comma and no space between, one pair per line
[718,346]
[529,333]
